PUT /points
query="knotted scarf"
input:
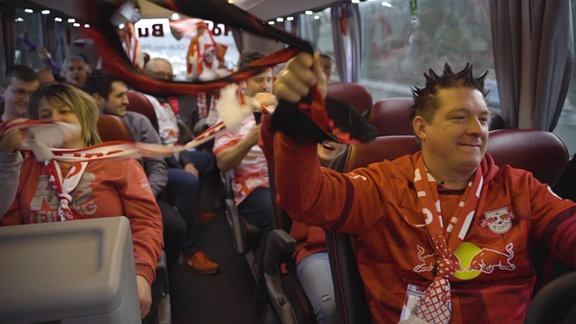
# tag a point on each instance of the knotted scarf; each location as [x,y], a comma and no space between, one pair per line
[65,186]
[435,307]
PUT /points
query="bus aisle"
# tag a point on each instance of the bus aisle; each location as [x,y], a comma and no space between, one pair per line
[222,298]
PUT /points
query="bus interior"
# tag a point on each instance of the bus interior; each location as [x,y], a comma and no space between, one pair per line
[383,47]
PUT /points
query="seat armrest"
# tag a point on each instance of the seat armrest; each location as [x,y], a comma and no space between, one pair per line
[278,245]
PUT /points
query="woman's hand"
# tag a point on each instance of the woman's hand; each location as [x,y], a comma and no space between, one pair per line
[10,141]
[144,295]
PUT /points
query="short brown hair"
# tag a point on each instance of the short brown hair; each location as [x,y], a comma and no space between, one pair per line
[20,72]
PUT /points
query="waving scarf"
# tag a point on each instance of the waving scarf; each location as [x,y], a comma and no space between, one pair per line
[115,61]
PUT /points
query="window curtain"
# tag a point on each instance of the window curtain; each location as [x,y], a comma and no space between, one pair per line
[533,50]
[345,18]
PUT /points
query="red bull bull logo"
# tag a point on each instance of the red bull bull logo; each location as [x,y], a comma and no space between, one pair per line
[470,260]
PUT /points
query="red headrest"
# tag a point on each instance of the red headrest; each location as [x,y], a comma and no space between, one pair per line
[112,128]
[391,116]
[353,93]
[138,102]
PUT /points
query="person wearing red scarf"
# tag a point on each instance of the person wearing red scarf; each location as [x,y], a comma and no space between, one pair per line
[54,191]
[444,235]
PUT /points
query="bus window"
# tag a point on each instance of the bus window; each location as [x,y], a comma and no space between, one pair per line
[403,39]
[316,28]
[28,25]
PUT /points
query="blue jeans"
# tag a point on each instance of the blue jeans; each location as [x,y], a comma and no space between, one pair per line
[183,191]
[174,232]
[258,210]
[316,280]
[203,162]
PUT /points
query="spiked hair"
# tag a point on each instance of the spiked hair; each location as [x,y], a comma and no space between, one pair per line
[426,100]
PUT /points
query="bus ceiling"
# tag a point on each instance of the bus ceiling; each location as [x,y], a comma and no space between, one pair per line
[263,9]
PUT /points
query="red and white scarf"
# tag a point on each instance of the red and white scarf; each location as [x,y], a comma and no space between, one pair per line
[436,306]
[65,186]
[41,136]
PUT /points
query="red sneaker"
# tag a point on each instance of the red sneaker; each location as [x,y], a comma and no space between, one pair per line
[205,217]
[200,263]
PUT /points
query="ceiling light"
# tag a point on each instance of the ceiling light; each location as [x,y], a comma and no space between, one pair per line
[309,12]
[28,10]
[58,19]
[290,18]
[279,19]
[71,20]
[45,12]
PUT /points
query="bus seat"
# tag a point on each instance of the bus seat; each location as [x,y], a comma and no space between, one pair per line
[351,303]
[80,271]
[391,116]
[540,152]
[355,94]
[537,151]
[286,294]
[113,128]
[245,236]
[138,102]
[544,306]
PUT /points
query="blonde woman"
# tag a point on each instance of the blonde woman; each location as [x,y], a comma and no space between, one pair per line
[55,191]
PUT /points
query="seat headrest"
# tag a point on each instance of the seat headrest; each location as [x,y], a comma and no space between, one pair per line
[353,93]
[391,116]
[112,128]
[138,102]
[537,151]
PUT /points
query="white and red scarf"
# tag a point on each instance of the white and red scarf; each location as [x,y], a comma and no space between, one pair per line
[435,306]
[41,136]
[65,186]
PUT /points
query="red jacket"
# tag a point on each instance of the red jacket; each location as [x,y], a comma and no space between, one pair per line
[378,207]
[107,188]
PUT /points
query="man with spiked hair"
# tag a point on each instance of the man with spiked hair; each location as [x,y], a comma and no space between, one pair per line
[444,235]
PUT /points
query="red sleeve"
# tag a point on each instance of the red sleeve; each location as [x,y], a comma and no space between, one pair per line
[348,203]
[145,219]
[13,216]
[554,218]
